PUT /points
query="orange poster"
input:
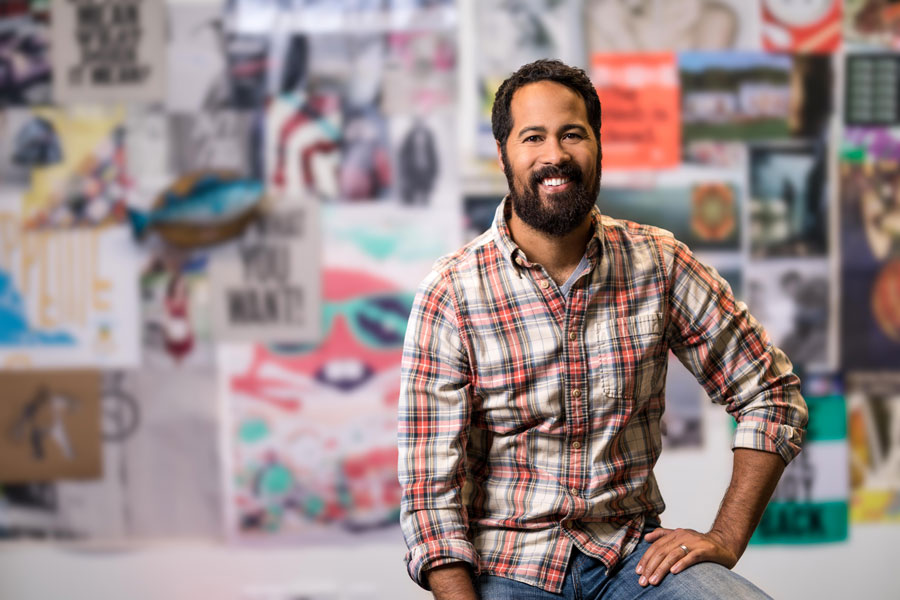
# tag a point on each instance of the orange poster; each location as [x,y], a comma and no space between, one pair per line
[639,94]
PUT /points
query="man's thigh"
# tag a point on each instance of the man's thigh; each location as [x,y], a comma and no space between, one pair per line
[703,581]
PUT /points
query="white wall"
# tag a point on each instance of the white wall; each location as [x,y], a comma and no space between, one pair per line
[692,483]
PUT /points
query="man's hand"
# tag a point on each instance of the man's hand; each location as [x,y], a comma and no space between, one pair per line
[666,554]
[753,479]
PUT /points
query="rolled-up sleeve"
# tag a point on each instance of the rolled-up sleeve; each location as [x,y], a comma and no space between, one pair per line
[730,354]
[433,425]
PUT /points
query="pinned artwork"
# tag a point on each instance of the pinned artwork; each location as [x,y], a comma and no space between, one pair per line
[267,286]
[872,23]
[201,209]
[675,25]
[177,310]
[792,299]
[640,98]
[874,434]
[705,216]
[69,299]
[871,97]
[51,426]
[109,50]
[79,171]
[311,431]
[870,276]
[811,503]
[25,43]
[788,200]
[734,95]
[811,26]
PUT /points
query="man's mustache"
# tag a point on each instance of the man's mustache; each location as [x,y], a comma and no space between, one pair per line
[569,171]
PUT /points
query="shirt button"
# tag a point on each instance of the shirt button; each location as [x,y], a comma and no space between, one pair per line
[576,445]
[545,284]
[573,491]
[573,336]
[519,261]
[576,393]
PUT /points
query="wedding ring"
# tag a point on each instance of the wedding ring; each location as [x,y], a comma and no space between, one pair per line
[685,548]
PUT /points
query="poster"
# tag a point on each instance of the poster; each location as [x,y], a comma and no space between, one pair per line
[425,160]
[640,98]
[51,422]
[871,90]
[267,287]
[393,242]
[420,72]
[874,142]
[872,23]
[109,50]
[870,257]
[792,300]
[788,199]
[813,26]
[735,95]
[79,169]
[811,503]
[196,69]
[226,140]
[69,297]
[25,54]
[674,25]
[705,216]
[874,434]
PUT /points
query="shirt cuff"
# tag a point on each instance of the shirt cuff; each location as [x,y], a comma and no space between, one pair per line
[768,436]
[426,556]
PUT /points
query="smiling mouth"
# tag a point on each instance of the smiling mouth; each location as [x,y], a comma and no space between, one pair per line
[555,184]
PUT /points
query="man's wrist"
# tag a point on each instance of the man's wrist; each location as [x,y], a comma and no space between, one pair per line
[451,581]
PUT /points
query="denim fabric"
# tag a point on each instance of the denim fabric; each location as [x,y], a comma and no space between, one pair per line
[586,579]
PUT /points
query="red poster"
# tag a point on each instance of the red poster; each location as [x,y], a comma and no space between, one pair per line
[639,94]
[810,26]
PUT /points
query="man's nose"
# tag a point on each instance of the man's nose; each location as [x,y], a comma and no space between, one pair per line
[554,152]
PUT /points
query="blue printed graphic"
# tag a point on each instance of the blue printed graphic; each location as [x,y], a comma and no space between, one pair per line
[14,327]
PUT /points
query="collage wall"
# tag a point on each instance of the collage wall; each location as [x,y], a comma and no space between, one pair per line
[214,217]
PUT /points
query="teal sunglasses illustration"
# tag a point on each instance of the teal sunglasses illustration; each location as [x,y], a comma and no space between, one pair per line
[377,321]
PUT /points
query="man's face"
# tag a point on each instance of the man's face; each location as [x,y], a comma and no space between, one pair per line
[551,160]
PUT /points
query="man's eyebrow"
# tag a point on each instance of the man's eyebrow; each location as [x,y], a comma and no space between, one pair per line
[540,129]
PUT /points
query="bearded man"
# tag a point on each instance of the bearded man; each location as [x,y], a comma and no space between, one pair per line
[533,381]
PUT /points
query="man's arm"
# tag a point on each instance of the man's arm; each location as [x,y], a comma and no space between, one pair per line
[753,479]
[433,427]
[731,355]
[451,582]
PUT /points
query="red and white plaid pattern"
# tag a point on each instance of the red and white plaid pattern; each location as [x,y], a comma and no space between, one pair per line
[529,422]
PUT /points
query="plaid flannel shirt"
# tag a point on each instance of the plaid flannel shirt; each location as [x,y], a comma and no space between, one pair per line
[529,422]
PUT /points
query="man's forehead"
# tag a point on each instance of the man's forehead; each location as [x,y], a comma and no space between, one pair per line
[543,98]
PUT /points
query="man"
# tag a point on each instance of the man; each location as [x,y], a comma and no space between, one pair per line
[533,385]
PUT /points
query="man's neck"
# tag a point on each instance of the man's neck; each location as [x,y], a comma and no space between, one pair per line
[558,255]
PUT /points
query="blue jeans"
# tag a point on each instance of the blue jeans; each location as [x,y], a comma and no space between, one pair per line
[587,579]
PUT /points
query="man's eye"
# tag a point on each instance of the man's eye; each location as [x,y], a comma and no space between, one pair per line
[572,136]
[532,138]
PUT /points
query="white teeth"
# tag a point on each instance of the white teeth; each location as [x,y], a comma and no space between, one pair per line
[555,181]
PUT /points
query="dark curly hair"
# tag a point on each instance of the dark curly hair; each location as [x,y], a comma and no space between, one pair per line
[543,70]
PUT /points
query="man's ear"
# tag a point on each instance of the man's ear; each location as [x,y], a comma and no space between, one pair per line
[500,157]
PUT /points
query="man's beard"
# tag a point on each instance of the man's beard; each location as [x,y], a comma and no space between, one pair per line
[567,210]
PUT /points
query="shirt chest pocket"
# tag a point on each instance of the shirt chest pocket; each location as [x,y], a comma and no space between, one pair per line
[629,356]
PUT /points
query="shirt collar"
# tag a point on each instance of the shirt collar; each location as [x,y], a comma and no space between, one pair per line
[514,254]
